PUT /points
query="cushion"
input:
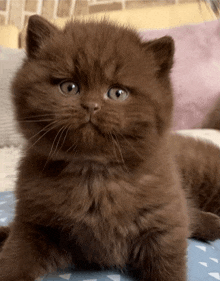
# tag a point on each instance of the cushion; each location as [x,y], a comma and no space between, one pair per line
[10,61]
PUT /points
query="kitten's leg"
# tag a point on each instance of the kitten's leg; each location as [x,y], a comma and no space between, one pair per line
[161,257]
[205,226]
[29,253]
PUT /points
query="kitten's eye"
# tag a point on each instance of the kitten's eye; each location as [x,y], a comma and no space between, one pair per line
[117,94]
[69,88]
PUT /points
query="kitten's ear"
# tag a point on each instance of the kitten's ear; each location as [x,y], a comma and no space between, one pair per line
[163,49]
[38,30]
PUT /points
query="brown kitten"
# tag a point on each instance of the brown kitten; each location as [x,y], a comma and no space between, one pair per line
[99,181]
[212,120]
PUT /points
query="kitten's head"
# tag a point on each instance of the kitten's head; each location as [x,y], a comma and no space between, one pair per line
[93,88]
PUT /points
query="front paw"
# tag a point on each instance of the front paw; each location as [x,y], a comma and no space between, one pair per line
[207,227]
[13,278]
[17,279]
[10,272]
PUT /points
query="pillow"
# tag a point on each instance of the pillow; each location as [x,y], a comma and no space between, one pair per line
[196,71]
[10,61]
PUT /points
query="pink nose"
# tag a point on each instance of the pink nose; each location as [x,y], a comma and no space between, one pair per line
[91,107]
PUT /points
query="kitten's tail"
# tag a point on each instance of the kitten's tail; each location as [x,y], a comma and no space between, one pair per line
[4,233]
[212,120]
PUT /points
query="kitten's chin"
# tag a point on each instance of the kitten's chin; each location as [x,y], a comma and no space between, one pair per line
[88,137]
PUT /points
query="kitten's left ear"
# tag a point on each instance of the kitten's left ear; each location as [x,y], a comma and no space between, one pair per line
[38,30]
[163,50]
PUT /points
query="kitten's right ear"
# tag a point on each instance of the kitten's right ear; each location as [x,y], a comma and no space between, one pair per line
[38,30]
[163,50]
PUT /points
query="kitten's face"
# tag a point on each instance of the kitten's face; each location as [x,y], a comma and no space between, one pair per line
[88,88]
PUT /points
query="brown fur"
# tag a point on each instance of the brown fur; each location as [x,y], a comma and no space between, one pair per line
[212,120]
[106,191]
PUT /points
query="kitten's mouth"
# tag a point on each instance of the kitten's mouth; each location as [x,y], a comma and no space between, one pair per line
[89,125]
[89,131]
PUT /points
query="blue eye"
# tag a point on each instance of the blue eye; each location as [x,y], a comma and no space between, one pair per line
[69,88]
[117,94]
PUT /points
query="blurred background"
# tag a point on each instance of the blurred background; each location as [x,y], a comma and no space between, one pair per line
[138,13]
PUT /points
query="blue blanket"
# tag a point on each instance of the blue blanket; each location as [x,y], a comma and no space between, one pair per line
[203,258]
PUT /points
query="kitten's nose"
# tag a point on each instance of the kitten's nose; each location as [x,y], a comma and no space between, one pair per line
[91,107]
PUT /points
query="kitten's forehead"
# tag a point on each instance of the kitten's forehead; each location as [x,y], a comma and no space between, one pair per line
[100,47]
[101,41]
[98,54]
[101,36]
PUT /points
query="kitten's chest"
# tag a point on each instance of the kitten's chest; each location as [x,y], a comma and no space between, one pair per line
[104,203]
[106,221]
[100,194]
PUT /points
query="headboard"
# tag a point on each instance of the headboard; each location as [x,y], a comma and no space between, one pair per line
[16,12]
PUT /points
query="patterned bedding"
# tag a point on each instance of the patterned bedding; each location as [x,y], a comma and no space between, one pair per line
[203,258]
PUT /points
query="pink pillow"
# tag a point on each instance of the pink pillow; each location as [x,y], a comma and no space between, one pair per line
[196,72]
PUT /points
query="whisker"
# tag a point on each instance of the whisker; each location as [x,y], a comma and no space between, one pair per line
[37,116]
[67,130]
[54,141]
[71,147]
[36,121]
[113,142]
[50,129]
[119,149]
[138,154]
[56,148]
[44,128]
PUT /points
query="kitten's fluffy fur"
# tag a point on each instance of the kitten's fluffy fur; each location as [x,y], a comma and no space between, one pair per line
[212,120]
[99,181]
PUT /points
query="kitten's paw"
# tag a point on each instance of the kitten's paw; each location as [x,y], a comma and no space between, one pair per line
[207,227]
[17,279]
[10,272]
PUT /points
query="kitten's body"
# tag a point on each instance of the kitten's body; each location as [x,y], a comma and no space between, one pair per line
[101,179]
